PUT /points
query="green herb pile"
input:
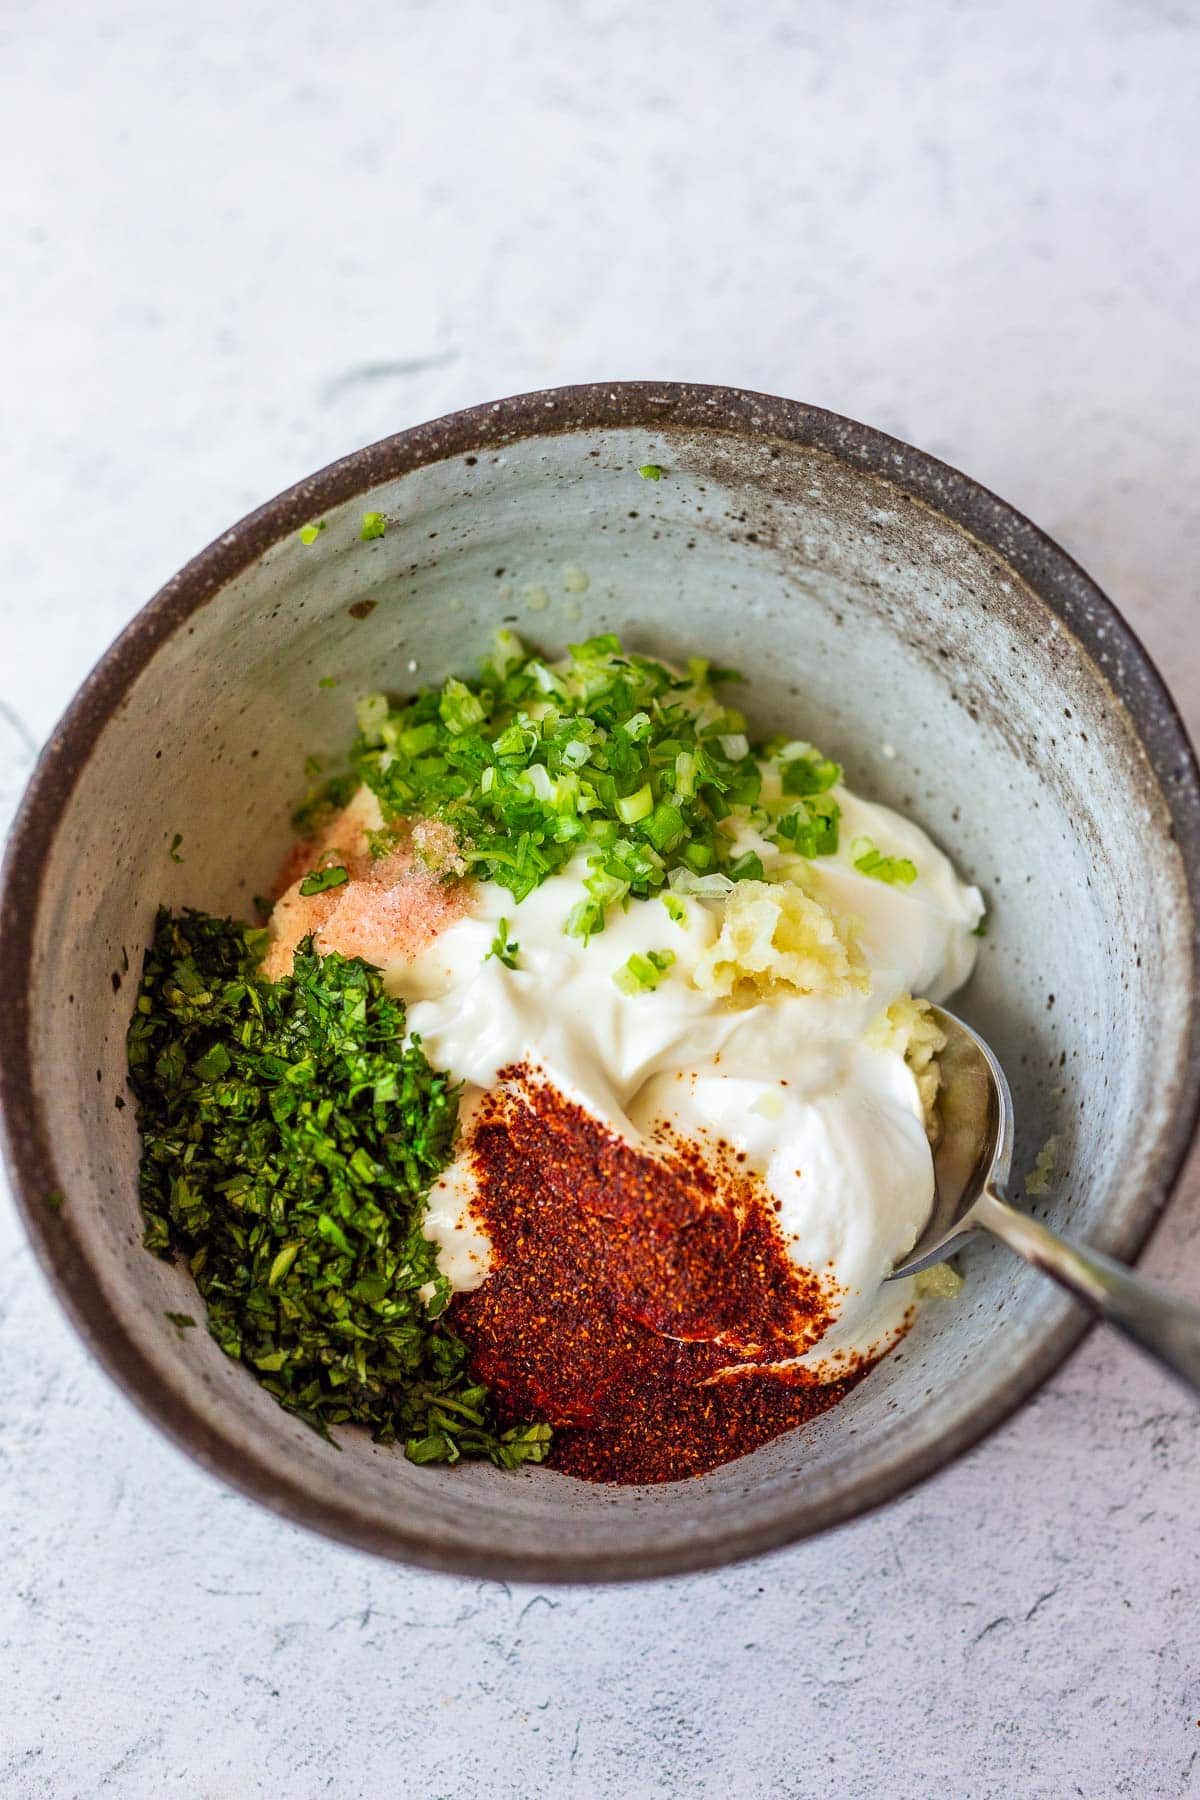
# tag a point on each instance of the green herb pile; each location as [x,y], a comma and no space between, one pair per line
[605,751]
[290,1135]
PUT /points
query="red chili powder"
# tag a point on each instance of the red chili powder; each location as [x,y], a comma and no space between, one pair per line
[624,1286]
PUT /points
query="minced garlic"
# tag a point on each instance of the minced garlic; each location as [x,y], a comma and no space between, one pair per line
[774,935]
[1044,1173]
[939,1283]
[909,1027]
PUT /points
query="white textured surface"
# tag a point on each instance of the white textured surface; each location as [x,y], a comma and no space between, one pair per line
[240,239]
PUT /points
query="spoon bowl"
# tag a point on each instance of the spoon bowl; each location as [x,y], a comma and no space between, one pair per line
[975,1146]
[972,1161]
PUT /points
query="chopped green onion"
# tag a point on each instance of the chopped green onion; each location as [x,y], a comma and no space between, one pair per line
[459,708]
[811,829]
[636,806]
[371,714]
[704,887]
[507,651]
[642,974]
[585,919]
[651,472]
[869,860]
[503,949]
[606,752]
[665,826]
[310,533]
[747,867]
[807,772]
[417,740]
[373,526]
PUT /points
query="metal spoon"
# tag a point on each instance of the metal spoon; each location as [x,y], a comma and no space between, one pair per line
[971,1163]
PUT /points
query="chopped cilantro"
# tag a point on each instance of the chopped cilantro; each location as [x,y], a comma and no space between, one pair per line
[869,860]
[321,879]
[290,1133]
[173,852]
[650,472]
[981,930]
[642,974]
[181,1321]
[373,526]
[310,533]
[747,867]
[502,948]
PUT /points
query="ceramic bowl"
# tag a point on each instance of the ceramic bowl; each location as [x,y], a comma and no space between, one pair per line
[956,661]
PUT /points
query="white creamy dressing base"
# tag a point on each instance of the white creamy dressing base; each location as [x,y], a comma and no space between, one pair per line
[832,1124]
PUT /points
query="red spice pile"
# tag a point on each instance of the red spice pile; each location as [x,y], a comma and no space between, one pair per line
[624,1286]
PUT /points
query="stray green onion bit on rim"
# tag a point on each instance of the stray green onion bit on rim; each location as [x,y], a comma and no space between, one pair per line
[373,526]
[651,472]
[310,533]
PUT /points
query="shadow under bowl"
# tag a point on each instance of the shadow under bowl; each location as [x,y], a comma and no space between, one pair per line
[958,663]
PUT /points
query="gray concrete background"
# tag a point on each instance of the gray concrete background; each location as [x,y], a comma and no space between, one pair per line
[240,239]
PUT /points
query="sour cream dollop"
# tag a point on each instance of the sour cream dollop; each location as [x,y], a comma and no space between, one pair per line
[824,1107]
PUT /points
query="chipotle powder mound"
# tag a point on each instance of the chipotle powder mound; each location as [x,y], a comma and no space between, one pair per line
[637,1299]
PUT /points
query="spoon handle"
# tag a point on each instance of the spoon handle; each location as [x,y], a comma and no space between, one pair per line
[1167,1328]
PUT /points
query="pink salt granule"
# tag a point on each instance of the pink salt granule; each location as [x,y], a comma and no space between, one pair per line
[390,908]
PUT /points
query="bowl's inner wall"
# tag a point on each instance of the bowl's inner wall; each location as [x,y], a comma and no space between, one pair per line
[864,622]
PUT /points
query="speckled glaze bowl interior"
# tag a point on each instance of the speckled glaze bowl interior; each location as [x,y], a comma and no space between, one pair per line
[958,664]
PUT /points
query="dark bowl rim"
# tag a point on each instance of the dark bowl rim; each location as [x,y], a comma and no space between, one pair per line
[653,406]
